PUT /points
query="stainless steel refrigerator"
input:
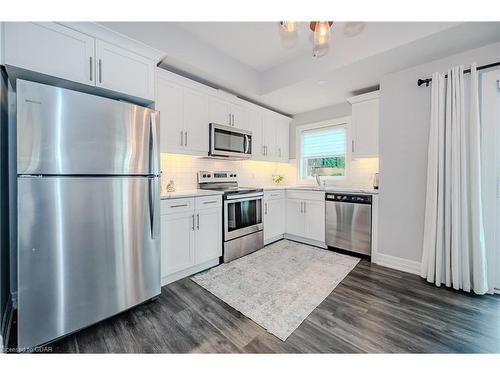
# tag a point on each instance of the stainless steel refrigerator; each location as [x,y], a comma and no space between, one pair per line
[88,209]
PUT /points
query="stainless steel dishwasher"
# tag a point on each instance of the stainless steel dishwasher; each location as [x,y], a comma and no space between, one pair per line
[349,222]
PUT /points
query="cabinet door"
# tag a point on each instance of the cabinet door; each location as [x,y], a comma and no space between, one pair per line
[208,235]
[124,71]
[365,129]
[314,226]
[239,116]
[218,111]
[177,242]
[254,124]
[282,140]
[169,101]
[294,217]
[196,121]
[50,49]
[269,136]
[274,218]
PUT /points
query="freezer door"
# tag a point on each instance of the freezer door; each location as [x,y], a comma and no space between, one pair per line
[88,248]
[61,131]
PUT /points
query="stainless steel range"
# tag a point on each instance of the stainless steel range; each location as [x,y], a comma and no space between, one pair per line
[242,213]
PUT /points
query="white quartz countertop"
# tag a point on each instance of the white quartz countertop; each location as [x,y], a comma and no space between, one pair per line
[189,193]
[327,189]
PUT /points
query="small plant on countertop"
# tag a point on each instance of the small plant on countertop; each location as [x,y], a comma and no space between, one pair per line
[278,178]
[170,186]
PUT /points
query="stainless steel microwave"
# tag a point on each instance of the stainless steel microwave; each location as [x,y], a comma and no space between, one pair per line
[230,142]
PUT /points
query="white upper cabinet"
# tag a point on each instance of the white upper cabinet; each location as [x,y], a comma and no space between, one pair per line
[50,49]
[254,124]
[61,52]
[365,124]
[188,107]
[184,117]
[219,112]
[170,103]
[121,70]
[224,112]
[238,116]
[269,128]
[282,139]
[195,121]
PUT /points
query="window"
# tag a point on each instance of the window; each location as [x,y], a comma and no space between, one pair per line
[323,152]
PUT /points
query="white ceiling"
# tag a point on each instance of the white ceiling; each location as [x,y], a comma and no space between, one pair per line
[249,59]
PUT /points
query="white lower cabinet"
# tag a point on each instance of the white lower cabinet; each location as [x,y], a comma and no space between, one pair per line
[191,236]
[305,216]
[274,215]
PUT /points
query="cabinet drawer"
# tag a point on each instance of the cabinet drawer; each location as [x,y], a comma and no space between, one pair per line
[274,194]
[173,206]
[306,195]
[212,201]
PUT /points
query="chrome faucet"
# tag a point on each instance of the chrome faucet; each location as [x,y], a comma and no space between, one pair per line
[318,179]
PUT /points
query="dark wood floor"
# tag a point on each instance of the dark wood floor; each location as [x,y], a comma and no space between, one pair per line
[373,310]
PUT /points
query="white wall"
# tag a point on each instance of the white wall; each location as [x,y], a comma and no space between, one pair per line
[403,139]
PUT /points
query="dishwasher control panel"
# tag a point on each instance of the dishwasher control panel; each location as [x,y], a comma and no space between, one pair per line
[349,198]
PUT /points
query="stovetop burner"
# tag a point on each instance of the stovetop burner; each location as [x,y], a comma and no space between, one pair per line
[226,182]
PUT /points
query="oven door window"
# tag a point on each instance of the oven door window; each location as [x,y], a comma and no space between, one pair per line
[243,214]
[231,141]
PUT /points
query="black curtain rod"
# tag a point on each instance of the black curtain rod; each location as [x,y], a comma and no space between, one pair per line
[426,81]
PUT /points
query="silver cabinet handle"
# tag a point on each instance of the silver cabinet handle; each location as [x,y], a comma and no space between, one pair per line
[178,205]
[185,138]
[182,137]
[301,206]
[352,145]
[265,208]
[233,118]
[263,150]
[192,227]
[100,71]
[208,202]
[198,221]
[91,69]
[279,152]
[229,119]
[305,207]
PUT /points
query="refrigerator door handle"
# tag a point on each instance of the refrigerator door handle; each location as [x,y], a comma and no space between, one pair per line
[153,144]
[151,207]
[154,207]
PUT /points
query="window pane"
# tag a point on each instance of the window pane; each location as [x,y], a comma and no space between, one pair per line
[324,142]
[329,166]
[323,152]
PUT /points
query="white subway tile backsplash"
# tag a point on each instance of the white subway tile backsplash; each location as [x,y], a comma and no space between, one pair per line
[183,169]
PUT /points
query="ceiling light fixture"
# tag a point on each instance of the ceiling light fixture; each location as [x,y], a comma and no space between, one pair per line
[321,32]
[289,34]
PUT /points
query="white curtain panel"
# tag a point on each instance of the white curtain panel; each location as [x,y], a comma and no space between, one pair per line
[453,248]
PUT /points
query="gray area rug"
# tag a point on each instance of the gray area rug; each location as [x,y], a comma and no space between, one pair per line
[279,286]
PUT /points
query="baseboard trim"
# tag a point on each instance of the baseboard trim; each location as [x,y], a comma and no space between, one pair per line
[189,271]
[306,241]
[273,239]
[400,264]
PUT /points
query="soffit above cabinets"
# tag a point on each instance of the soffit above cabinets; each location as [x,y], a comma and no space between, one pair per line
[249,60]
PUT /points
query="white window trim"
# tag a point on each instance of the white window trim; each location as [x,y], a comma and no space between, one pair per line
[341,121]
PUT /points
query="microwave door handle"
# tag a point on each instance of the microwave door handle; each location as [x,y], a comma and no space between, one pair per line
[246,143]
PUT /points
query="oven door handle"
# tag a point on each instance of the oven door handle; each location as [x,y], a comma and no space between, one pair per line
[244,197]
